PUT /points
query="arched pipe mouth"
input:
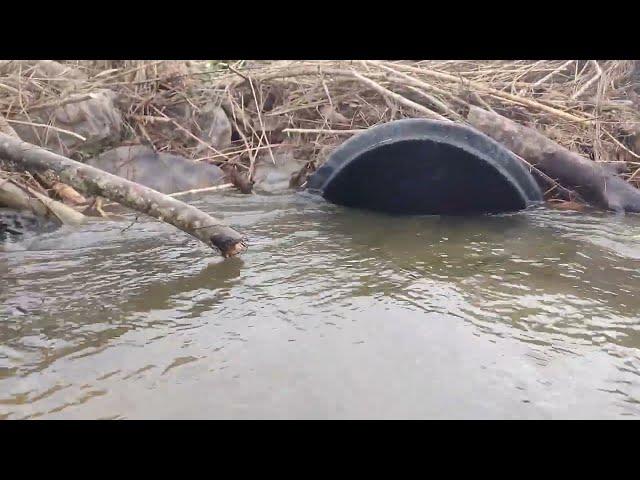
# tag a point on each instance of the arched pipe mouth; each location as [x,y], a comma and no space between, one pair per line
[417,166]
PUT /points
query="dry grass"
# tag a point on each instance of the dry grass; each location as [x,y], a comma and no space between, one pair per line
[590,107]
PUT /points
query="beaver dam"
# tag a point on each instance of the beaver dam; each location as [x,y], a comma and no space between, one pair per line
[435,239]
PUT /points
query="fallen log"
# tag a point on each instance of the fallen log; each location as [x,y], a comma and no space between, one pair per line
[597,185]
[142,199]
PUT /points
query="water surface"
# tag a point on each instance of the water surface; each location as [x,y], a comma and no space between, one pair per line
[332,313]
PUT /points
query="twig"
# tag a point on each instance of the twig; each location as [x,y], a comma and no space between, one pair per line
[551,74]
[399,98]
[589,83]
[442,106]
[202,190]
[620,144]
[416,82]
[41,125]
[508,96]
[320,130]
[245,122]
[248,149]
[10,89]
[224,186]
[633,175]
[60,103]
[199,140]
[237,72]
[132,70]
[264,135]
[555,185]
[291,72]
[482,102]
[150,118]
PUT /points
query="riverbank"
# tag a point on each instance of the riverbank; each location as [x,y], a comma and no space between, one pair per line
[241,115]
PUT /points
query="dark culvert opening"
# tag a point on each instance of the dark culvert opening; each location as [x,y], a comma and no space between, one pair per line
[415,177]
[425,167]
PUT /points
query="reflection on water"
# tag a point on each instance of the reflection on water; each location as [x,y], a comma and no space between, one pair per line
[332,313]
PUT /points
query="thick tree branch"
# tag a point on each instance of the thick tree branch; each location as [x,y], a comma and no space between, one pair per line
[130,194]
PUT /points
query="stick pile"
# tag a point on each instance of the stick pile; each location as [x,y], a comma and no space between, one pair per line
[308,107]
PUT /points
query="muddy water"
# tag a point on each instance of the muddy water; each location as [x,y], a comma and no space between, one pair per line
[331,314]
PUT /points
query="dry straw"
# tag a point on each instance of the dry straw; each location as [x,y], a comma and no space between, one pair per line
[308,107]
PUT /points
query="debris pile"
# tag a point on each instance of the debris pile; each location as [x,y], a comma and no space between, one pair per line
[245,117]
